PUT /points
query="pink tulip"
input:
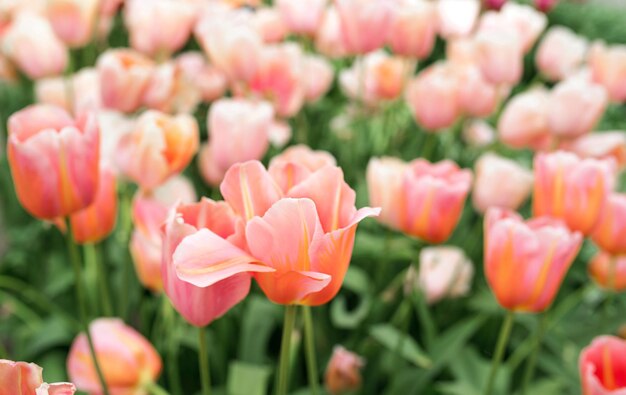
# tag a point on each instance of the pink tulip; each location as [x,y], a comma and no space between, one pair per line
[302,17]
[457,17]
[22,378]
[303,155]
[171,90]
[318,76]
[608,68]
[53,160]
[500,57]
[124,77]
[412,32]
[159,147]
[525,262]
[602,145]
[433,97]
[343,373]
[113,126]
[609,232]
[364,24]
[524,120]
[571,188]
[31,44]
[545,5]
[478,133]
[85,91]
[560,53]
[608,271]
[210,81]
[602,367]
[494,4]
[126,358]
[329,39]
[500,182]
[575,107]
[528,22]
[477,97]
[73,21]
[232,125]
[445,272]
[279,133]
[270,25]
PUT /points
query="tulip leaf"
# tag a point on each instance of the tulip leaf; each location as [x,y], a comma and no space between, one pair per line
[247,379]
[356,281]
[390,338]
[260,318]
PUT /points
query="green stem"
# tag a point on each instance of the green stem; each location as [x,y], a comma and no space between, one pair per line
[532,360]
[503,340]
[123,238]
[78,282]
[283,367]
[428,149]
[155,389]
[425,317]
[404,314]
[311,357]
[203,358]
[172,349]
[92,253]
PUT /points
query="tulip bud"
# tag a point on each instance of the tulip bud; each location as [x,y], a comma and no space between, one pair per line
[457,17]
[412,32]
[364,24]
[524,120]
[343,372]
[73,20]
[603,145]
[609,232]
[478,133]
[608,68]
[329,39]
[445,272]
[545,5]
[609,271]
[302,17]
[560,53]
[602,366]
[318,77]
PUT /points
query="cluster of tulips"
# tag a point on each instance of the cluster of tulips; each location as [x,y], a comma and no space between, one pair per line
[126,122]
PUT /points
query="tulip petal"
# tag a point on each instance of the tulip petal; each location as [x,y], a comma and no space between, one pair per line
[56,389]
[293,286]
[19,377]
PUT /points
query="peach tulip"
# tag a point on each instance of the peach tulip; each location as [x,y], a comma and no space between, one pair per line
[302,17]
[364,24]
[602,367]
[560,53]
[113,127]
[608,68]
[601,145]
[318,76]
[31,44]
[158,147]
[412,32]
[22,378]
[575,107]
[571,188]
[524,120]
[526,20]
[303,155]
[445,272]
[124,77]
[609,271]
[85,92]
[500,182]
[175,22]
[210,81]
[433,97]
[477,97]
[270,25]
[500,57]
[126,358]
[73,21]
[171,90]
[343,373]
[419,198]
[8,74]
[525,262]
[610,230]
[232,125]
[457,17]
[53,160]
[329,39]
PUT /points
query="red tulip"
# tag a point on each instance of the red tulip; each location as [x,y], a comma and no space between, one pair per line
[602,367]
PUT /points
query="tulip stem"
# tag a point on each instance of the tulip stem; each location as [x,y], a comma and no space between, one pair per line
[92,254]
[203,358]
[503,339]
[311,358]
[172,348]
[283,367]
[155,389]
[532,359]
[79,286]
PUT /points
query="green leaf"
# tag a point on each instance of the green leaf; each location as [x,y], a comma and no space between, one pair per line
[356,281]
[260,318]
[247,379]
[390,338]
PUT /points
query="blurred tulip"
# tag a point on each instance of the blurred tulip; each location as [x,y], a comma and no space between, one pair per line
[609,271]
[602,145]
[53,160]
[524,120]
[571,188]
[113,126]
[500,57]
[302,17]
[303,155]
[343,373]
[445,272]
[500,182]
[329,39]
[210,81]
[364,24]
[608,68]
[575,107]
[22,378]
[527,21]
[318,76]
[31,44]
[279,133]
[494,4]
[412,32]
[159,147]
[478,133]
[560,53]
[7,70]
[85,91]
[126,358]
[457,17]
[270,25]
[232,125]
[602,366]
[477,97]
[610,230]
[95,222]
[124,77]
[159,40]
[545,6]
[433,97]
[171,90]
[525,262]
[73,21]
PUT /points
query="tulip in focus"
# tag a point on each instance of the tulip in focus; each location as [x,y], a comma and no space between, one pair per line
[364,24]
[500,182]
[526,262]
[343,373]
[22,378]
[560,53]
[73,21]
[571,188]
[602,366]
[126,358]
[95,222]
[159,147]
[413,30]
[54,160]
[524,120]
[610,231]
[302,17]
[602,145]
[609,271]
[445,272]
[608,68]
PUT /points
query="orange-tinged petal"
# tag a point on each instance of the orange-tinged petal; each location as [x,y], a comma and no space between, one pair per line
[19,378]
[602,367]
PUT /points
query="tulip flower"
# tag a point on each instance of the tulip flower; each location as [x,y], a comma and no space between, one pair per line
[609,232]
[171,90]
[600,146]
[560,53]
[302,17]
[525,262]
[500,182]
[500,56]
[22,378]
[609,271]
[159,147]
[476,96]
[608,68]
[571,188]
[413,195]
[318,77]
[301,155]
[478,133]
[210,81]
[364,24]
[528,22]
[113,126]
[602,366]
[457,17]
[343,373]
[445,272]
[545,5]
[53,160]
[412,32]
[126,358]
[270,25]
[494,4]
[73,21]
[85,94]
[124,77]
[524,120]
[329,39]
